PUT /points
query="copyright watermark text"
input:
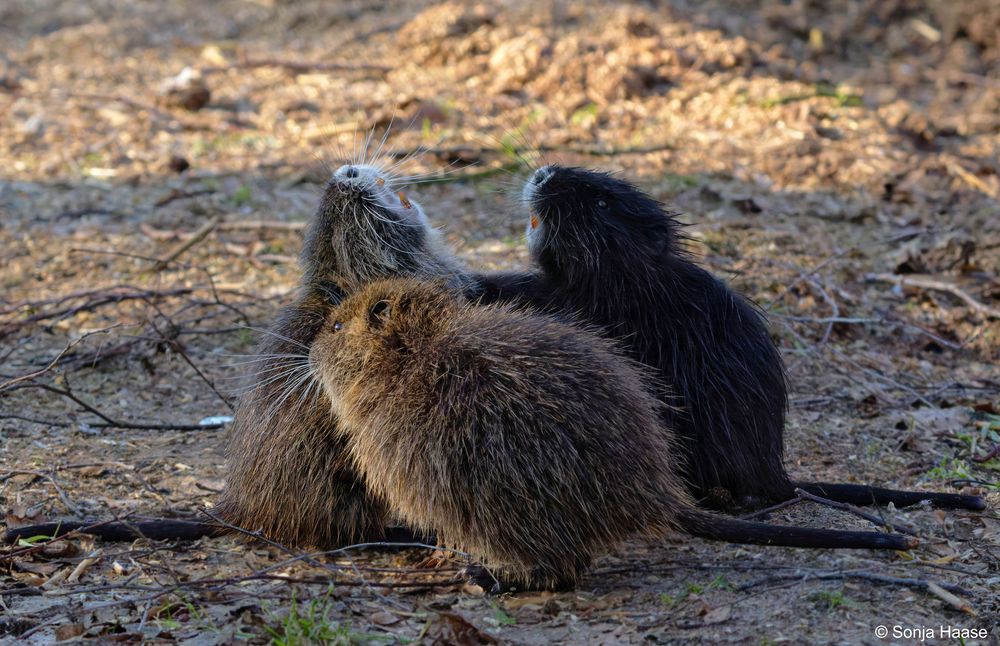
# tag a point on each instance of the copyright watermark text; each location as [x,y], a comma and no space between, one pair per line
[929,633]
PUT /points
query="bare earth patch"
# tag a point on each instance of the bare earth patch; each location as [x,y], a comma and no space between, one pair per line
[836,161]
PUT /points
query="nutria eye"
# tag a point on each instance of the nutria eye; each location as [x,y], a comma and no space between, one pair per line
[601,204]
[337,327]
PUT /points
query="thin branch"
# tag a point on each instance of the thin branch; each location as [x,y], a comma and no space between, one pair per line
[837,256]
[38,373]
[781,505]
[851,509]
[296,66]
[110,422]
[951,345]
[200,234]
[922,282]
[923,584]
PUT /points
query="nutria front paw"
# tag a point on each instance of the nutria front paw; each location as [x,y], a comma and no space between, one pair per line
[481,576]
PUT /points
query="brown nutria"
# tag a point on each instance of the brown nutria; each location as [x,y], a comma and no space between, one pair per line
[366,229]
[288,475]
[528,441]
[606,250]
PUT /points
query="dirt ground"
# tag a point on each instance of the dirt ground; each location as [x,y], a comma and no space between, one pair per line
[837,161]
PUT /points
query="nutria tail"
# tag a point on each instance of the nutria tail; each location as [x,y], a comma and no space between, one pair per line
[162,529]
[732,530]
[867,495]
[157,529]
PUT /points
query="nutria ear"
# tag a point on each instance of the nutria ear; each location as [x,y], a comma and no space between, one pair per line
[379,313]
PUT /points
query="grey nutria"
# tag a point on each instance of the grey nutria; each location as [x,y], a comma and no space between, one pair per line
[527,441]
[607,251]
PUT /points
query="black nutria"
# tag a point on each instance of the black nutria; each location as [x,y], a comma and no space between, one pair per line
[527,441]
[288,476]
[613,255]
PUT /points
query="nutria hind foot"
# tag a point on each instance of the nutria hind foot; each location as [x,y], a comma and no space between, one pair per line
[865,495]
[407,537]
[500,582]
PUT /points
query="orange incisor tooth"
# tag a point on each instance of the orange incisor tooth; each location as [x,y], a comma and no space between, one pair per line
[402,200]
[380,181]
[534,221]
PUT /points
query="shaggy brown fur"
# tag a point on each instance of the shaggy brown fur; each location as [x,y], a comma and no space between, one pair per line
[289,474]
[529,442]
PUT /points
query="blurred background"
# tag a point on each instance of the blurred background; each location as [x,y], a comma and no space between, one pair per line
[837,161]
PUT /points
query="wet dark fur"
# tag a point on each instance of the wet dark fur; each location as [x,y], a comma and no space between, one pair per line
[529,442]
[624,266]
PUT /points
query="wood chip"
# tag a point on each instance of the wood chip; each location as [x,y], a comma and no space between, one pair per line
[952,600]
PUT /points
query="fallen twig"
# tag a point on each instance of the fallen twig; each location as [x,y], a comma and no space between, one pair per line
[38,373]
[989,455]
[200,234]
[951,345]
[843,506]
[275,544]
[295,66]
[177,194]
[781,505]
[837,256]
[261,224]
[969,178]
[949,598]
[48,476]
[110,422]
[867,576]
[922,282]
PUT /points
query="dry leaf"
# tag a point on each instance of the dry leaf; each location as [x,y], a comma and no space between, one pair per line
[44,569]
[450,628]
[718,615]
[58,550]
[69,631]
[21,515]
[27,578]
[383,618]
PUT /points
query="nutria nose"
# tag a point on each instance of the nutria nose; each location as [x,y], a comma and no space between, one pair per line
[347,171]
[541,175]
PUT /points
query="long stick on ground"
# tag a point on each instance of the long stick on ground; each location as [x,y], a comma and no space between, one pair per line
[200,234]
[936,285]
[843,506]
